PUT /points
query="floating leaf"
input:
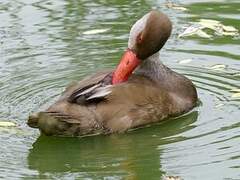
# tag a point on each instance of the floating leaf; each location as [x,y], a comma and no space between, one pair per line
[229,28]
[228,33]
[185,61]
[171,5]
[218,67]
[95,31]
[209,23]
[235,90]
[190,31]
[14,130]
[179,8]
[219,29]
[7,124]
[236,95]
[219,105]
[202,34]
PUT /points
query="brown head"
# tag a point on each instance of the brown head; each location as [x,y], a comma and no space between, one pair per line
[147,36]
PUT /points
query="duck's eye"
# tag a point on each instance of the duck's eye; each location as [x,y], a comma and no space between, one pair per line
[139,38]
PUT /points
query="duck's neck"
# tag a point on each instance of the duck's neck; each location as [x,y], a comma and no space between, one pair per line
[176,84]
[153,68]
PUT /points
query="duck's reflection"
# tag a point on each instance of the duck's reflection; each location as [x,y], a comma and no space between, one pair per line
[131,155]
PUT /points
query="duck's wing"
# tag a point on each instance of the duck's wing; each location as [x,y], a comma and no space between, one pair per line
[93,89]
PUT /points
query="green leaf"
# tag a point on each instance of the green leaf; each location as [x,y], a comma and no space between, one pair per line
[7,124]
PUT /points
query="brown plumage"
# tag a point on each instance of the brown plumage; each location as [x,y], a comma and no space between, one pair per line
[152,93]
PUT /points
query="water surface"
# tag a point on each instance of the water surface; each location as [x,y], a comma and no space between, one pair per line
[47,44]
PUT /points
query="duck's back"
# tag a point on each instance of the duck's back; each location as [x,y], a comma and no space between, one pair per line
[137,102]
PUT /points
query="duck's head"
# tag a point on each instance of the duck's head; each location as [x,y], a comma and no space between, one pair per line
[147,36]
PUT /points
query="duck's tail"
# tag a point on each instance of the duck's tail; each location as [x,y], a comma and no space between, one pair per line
[33,120]
[54,123]
[60,124]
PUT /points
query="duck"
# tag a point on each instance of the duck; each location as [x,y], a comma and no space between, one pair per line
[140,91]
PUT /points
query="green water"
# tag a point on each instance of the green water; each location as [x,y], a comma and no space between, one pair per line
[44,45]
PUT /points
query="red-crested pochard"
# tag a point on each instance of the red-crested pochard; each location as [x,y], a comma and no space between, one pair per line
[141,90]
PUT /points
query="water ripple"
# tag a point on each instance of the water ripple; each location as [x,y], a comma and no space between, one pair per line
[44,48]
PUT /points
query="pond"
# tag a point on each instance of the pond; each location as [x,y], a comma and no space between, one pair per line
[47,44]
